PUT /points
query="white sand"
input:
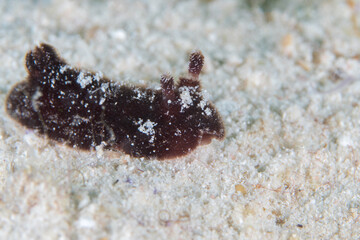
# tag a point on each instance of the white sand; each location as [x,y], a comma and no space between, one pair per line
[288,168]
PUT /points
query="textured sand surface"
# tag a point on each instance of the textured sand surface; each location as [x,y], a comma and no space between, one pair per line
[283,74]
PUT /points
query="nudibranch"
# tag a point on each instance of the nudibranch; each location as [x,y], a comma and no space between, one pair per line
[84,109]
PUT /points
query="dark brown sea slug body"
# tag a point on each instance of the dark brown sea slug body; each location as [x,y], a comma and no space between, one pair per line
[85,109]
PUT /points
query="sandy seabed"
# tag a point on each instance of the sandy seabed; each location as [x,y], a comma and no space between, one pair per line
[283,74]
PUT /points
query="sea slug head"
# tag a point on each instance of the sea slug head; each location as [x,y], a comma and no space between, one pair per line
[193,120]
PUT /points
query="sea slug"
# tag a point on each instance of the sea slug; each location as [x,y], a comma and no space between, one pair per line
[84,109]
